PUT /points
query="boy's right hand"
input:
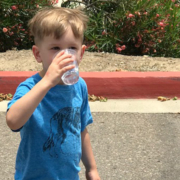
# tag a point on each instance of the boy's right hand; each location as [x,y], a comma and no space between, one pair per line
[57,68]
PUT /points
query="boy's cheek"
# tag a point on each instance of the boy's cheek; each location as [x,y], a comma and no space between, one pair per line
[78,58]
[78,61]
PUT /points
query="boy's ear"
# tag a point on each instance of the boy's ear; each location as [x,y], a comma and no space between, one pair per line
[83,48]
[36,53]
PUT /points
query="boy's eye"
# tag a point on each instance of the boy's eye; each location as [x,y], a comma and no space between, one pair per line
[56,48]
[72,48]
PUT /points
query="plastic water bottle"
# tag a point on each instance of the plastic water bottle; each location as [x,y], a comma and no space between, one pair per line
[72,76]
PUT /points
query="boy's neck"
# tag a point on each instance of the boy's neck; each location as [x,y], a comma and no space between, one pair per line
[41,73]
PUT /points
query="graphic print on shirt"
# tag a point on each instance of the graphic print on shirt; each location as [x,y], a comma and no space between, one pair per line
[64,133]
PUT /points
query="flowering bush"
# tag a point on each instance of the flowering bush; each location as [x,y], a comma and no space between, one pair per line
[14,17]
[135,27]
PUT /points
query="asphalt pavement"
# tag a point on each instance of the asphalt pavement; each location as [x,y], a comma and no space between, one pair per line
[131,140]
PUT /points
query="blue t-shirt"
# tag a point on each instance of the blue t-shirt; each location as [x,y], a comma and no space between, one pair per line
[50,147]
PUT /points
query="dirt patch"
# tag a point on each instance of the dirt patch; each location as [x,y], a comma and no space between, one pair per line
[24,61]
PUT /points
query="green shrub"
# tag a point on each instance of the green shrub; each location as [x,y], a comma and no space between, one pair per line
[14,17]
[135,27]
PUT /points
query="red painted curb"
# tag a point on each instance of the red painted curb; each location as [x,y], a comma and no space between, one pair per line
[124,85]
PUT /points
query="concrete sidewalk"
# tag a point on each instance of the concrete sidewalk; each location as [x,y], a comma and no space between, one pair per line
[128,105]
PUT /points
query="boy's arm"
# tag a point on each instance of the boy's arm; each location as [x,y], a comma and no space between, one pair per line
[20,111]
[88,157]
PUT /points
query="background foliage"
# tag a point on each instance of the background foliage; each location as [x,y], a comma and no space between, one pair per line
[135,27]
[14,17]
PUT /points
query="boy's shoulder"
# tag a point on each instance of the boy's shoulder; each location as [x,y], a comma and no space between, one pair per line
[82,83]
[31,81]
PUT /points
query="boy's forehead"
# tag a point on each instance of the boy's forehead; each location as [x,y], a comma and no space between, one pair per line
[51,40]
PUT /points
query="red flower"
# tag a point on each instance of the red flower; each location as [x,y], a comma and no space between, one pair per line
[161,24]
[14,7]
[145,13]
[177,5]
[118,49]
[157,15]
[104,32]
[123,47]
[54,1]
[130,15]
[5,30]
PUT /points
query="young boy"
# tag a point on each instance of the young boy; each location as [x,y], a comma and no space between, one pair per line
[52,117]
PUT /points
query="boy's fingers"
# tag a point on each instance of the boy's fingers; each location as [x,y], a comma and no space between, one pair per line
[65,62]
[61,56]
[67,68]
[57,55]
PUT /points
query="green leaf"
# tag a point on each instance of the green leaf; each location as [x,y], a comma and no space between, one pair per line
[175,98]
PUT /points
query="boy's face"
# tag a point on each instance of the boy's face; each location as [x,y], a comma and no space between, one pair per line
[46,50]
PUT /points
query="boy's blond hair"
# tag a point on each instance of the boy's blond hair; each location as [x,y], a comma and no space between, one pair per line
[54,21]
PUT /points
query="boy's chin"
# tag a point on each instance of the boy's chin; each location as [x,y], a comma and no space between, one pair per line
[61,83]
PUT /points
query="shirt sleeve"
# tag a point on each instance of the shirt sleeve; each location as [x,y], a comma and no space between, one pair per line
[86,117]
[21,90]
